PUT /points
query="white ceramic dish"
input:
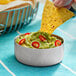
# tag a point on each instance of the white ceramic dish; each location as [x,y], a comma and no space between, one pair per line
[39,57]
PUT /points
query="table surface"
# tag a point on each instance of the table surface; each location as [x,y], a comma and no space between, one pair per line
[9,66]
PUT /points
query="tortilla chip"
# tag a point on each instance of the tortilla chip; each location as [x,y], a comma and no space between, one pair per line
[53,17]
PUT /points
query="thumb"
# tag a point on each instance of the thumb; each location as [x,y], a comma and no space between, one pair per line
[56,2]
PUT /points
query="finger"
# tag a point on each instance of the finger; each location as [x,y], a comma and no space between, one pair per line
[67,2]
[68,6]
[59,3]
[75,1]
[56,2]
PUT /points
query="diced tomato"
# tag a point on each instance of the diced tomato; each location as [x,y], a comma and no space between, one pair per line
[57,43]
[27,33]
[35,44]
[42,38]
[21,41]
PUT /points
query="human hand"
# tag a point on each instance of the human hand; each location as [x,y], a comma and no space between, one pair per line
[63,3]
[74,1]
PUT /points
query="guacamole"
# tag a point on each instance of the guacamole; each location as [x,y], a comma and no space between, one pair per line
[38,40]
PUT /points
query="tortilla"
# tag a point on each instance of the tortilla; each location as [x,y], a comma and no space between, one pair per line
[53,17]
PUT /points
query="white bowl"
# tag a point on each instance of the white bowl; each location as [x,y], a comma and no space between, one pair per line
[39,57]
